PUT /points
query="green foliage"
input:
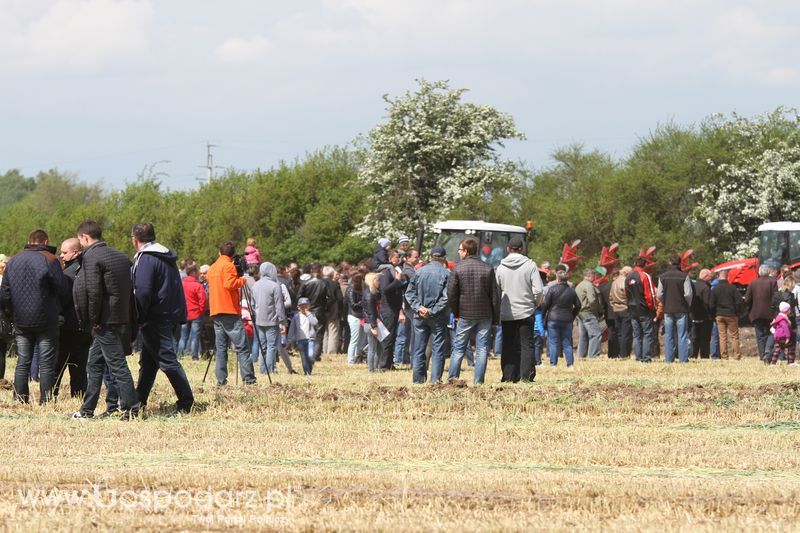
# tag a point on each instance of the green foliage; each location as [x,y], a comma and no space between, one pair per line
[432,152]
[759,180]
[305,211]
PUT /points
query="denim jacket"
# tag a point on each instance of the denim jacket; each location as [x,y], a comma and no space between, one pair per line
[428,288]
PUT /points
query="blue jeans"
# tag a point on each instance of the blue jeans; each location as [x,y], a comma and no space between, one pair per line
[231,327]
[764,340]
[589,336]
[266,338]
[306,347]
[46,340]
[464,328]
[190,338]
[538,345]
[559,340]
[429,328]
[106,353]
[403,339]
[355,338]
[643,331]
[676,322]
[158,353]
[498,340]
[714,341]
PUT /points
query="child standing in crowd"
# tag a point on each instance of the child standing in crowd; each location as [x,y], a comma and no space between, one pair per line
[781,333]
[251,253]
[302,332]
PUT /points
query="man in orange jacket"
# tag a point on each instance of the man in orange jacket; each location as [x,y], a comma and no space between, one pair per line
[226,312]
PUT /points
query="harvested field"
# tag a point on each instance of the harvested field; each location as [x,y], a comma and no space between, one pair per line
[613,445]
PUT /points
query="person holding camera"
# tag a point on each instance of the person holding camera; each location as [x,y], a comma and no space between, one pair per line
[224,281]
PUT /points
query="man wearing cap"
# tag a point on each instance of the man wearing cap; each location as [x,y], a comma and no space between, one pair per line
[589,337]
[381,255]
[403,243]
[520,287]
[675,291]
[427,296]
[475,300]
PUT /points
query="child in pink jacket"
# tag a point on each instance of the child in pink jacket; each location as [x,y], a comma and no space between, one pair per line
[781,332]
[251,253]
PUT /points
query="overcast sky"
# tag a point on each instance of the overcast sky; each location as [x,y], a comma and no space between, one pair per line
[103,88]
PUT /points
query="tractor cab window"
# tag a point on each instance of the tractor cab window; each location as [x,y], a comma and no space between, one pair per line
[450,240]
[774,247]
[492,247]
[794,247]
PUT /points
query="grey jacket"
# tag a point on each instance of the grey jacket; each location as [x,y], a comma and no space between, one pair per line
[520,285]
[268,298]
[589,296]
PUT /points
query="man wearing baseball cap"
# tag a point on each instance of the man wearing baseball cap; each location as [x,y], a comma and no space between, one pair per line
[427,296]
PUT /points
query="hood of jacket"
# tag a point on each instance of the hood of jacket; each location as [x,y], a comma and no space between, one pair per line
[160,251]
[514,260]
[268,271]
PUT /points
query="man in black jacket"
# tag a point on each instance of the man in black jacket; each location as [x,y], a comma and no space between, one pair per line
[702,315]
[31,292]
[392,288]
[758,298]
[675,292]
[160,308]
[475,300]
[73,344]
[102,293]
[727,305]
[317,291]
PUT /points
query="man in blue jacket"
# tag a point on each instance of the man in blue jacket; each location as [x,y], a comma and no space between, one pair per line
[160,308]
[31,293]
[427,296]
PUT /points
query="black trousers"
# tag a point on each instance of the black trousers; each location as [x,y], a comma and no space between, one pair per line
[3,350]
[517,358]
[319,335]
[73,354]
[390,319]
[613,338]
[624,335]
[701,338]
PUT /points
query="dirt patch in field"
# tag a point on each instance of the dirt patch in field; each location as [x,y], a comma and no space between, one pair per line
[582,391]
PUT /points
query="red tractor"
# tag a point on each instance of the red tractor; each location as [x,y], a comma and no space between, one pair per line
[778,245]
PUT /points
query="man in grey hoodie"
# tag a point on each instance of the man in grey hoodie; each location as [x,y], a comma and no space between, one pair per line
[270,313]
[521,291]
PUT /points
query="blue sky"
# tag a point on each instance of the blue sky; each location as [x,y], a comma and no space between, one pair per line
[103,88]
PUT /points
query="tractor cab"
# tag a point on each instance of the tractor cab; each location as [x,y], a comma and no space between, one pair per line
[492,238]
[779,244]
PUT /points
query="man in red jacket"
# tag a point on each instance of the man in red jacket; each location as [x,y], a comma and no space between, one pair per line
[196,304]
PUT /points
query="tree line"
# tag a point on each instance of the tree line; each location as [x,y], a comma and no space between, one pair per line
[704,186]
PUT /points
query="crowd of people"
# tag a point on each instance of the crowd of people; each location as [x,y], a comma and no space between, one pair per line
[84,310]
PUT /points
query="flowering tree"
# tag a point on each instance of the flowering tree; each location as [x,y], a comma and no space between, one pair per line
[761,182]
[433,151]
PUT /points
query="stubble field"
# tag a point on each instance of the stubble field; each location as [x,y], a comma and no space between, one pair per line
[613,445]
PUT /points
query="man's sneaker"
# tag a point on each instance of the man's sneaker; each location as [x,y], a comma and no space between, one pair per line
[108,414]
[5,384]
[77,415]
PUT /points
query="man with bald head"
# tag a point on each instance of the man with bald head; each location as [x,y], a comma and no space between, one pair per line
[73,344]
